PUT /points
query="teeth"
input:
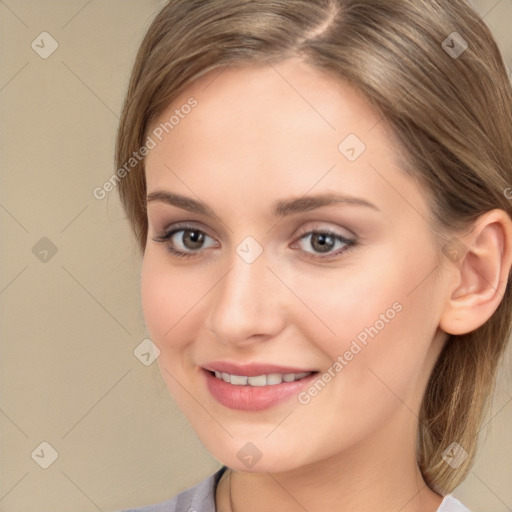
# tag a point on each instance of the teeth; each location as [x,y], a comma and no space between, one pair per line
[260,380]
[274,378]
[239,380]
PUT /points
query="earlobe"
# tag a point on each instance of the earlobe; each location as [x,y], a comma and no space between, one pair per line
[482,266]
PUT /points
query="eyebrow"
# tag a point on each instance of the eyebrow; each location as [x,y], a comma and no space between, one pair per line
[281,208]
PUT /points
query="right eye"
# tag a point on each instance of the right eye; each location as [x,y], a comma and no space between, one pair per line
[185,241]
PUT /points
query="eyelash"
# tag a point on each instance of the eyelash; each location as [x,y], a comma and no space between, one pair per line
[350,243]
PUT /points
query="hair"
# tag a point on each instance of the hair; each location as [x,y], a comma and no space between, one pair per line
[451,115]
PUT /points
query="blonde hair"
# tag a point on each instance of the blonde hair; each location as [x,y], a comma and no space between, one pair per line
[451,114]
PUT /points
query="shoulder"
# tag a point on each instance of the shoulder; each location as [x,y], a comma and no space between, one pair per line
[199,498]
[451,504]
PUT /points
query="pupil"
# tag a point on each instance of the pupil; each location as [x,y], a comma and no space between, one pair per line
[325,242]
[196,238]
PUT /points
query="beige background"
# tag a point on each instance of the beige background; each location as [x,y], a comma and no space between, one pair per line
[70,323]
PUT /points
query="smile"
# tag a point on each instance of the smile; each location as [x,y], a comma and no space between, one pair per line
[264,387]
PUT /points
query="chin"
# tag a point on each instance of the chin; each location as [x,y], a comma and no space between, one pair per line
[240,454]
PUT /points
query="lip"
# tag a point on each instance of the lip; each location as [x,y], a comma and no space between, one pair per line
[252,369]
[253,398]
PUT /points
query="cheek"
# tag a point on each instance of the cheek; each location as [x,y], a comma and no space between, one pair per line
[167,295]
[345,301]
[154,300]
[378,313]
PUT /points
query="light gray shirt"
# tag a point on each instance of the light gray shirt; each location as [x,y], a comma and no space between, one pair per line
[201,498]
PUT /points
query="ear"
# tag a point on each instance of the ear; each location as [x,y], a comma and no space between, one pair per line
[480,263]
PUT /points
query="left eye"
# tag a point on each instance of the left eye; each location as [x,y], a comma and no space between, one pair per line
[325,242]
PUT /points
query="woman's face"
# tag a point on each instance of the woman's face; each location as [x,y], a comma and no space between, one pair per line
[307,250]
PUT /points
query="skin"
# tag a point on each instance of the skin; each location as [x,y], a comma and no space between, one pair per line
[265,133]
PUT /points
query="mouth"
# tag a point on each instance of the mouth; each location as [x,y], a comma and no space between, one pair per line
[255,388]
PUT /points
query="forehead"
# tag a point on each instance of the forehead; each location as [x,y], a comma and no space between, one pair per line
[289,94]
[259,129]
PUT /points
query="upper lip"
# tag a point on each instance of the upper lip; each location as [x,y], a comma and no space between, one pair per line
[252,369]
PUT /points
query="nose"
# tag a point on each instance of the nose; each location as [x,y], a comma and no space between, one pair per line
[249,303]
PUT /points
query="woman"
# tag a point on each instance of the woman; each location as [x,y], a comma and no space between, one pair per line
[318,189]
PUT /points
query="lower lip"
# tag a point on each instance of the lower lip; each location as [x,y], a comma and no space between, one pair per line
[253,398]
